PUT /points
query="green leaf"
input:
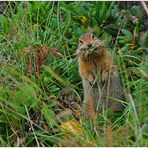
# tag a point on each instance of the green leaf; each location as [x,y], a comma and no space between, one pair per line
[136,31]
[27,96]
[144,39]
[108,14]
[125,39]
[3,119]
[54,89]
[106,37]
[124,49]
[145,128]
[49,116]
[126,32]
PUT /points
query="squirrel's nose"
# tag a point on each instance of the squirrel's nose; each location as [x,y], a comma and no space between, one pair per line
[89,45]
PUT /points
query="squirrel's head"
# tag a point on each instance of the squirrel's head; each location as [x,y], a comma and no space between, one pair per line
[90,45]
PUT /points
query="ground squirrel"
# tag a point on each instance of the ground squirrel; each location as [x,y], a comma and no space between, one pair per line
[100,77]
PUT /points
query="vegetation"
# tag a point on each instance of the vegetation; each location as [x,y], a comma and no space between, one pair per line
[39,80]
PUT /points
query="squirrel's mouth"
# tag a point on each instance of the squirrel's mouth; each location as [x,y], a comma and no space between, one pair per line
[92,50]
[88,51]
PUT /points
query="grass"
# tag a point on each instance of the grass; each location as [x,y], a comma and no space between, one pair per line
[39,76]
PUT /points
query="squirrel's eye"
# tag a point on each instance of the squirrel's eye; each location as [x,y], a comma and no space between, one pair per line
[81,41]
[93,36]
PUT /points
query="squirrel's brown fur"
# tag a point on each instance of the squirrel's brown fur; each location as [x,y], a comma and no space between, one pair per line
[100,77]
